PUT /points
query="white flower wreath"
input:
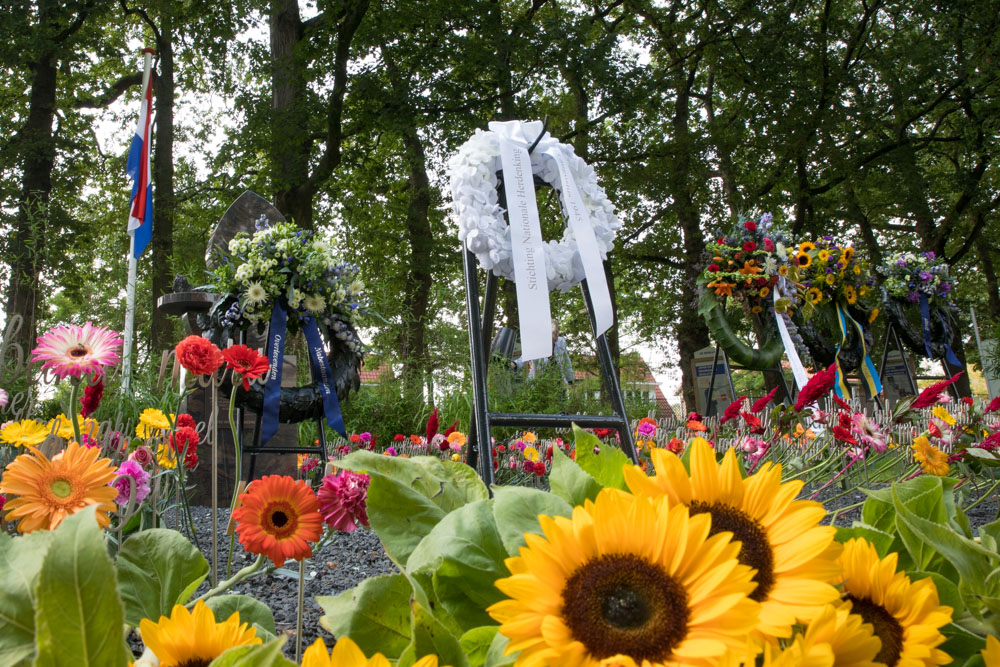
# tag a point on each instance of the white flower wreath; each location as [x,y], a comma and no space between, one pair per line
[481,224]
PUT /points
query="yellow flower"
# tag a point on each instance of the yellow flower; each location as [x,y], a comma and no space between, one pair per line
[194,637]
[942,414]
[456,457]
[530,438]
[47,491]
[756,309]
[456,437]
[872,316]
[764,291]
[857,269]
[864,291]
[165,456]
[814,295]
[991,654]
[152,423]
[847,254]
[806,246]
[835,637]
[803,259]
[347,654]
[851,294]
[794,558]
[24,433]
[905,616]
[627,580]
[783,270]
[824,255]
[830,278]
[932,460]
[530,454]
[63,427]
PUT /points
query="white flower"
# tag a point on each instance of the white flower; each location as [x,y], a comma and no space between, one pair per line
[315,303]
[255,294]
[356,287]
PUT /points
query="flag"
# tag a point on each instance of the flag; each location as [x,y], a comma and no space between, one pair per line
[140,219]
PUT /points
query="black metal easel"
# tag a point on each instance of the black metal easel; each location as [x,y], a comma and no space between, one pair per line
[710,404]
[892,335]
[480,338]
[256,448]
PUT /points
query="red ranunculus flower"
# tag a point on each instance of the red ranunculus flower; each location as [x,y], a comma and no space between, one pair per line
[750,225]
[247,362]
[184,419]
[844,435]
[185,441]
[713,268]
[749,246]
[198,355]
[768,244]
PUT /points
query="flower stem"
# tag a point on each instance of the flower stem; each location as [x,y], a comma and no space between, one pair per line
[239,472]
[74,385]
[232,581]
[299,610]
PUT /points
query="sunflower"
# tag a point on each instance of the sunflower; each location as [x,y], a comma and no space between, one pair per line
[932,460]
[794,557]
[830,279]
[347,654]
[851,294]
[50,490]
[815,295]
[74,351]
[806,246]
[626,578]
[847,254]
[782,270]
[194,637]
[837,637]
[756,310]
[803,259]
[906,616]
[823,255]
[278,517]
[25,433]
[991,654]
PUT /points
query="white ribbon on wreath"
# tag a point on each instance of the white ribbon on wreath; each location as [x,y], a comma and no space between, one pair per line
[587,238]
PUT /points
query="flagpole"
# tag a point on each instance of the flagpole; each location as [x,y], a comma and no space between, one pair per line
[147,64]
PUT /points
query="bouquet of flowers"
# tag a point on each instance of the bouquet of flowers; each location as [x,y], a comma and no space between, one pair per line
[746,264]
[828,273]
[908,275]
[284,261]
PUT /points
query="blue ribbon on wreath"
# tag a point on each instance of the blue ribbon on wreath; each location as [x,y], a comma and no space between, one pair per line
[276,334]
[323,375]
[925,323]
[868,372]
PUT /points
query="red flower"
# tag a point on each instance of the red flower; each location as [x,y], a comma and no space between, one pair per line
[967,400]
[603,432]
[185,441]
[842,404]
[676,445]
[750,226]
[749,246]
[733,410]
[768,244]
[355,438]
[539,468]
[994,405]
[247,362]
[762,402]
[713,268]
[991,442]
[752,421]
[92,397]
[819,385]
[432,425]
[844,435]
[933,429]
[198,355]
[929,396]
[451,429]
[501,448]
[184,419]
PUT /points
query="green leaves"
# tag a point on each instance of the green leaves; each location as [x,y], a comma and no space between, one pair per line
[157,569]
[20,562]
[257,655]
[375,614]
[251,611]
[79,618]
[569,481]
[606,466]
[516,511]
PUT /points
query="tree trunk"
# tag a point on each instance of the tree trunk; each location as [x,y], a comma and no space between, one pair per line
[164,202]
[418,279]
[28,238]
[992,286]
[290,140]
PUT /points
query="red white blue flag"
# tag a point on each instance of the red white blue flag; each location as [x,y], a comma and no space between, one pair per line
[140,219]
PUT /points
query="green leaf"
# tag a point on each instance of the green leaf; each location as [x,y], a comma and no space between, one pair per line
[879,513]
[605,467]
[990,535]
[961,644]
[375,614]
[157,569]
[400,516]
[430,637]
[495,656]
[79,618]
[250,610]
[257,655]
[476,643]
[970,559]
[569,481]
[880,540]
[983,456]
[20,561]
[516,510]
[466,555]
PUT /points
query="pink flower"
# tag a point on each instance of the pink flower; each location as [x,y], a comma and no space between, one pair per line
[820,417]
[4,399]
[440,441]
[74,351]
[646,429]
[130,470]
[342,500]
[391,452]
[868,433]
[142,455]
[366,437]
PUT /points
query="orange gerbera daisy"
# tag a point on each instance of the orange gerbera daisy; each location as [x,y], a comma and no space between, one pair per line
[278,517]
[48,491]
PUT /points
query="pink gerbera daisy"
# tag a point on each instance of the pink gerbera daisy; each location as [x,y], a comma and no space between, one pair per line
[75,351]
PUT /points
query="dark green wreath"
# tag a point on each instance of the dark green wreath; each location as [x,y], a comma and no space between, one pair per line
[762,358]
[943,325]
[821,336]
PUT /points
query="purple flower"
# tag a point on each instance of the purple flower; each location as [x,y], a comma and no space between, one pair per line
[366,437]
[901,263]
[4,398]
[131,473]
[930,254]
[925,276]
[913,297]
[391,451]
[945,288]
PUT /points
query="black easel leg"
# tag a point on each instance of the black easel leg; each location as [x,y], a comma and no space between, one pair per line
[480,445]
[710,405]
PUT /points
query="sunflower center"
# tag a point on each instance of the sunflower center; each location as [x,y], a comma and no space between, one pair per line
[279,520]
[623,604]
[61,488]
[755,549]
[195,662]
[78,351]
[887,628]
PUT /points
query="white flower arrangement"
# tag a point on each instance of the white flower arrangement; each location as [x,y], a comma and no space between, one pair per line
[481,225]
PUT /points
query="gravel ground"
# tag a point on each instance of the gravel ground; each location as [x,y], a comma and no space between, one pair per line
[351,558]
[340,565]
